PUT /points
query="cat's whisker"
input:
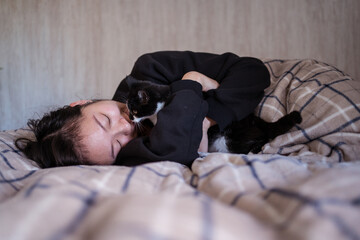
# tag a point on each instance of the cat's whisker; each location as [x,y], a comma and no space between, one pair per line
[140,129]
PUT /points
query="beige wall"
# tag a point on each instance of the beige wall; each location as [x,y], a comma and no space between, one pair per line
[57,51]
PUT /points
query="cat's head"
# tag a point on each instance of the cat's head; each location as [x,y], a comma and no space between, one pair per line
[144,98]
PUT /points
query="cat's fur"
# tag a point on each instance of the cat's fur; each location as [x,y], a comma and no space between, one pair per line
[146,99]
[250,133]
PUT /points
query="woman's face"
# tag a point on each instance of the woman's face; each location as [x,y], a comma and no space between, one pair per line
[105,128]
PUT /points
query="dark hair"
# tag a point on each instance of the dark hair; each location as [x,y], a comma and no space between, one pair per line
[58,140]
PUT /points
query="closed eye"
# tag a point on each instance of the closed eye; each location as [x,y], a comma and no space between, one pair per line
[108,119]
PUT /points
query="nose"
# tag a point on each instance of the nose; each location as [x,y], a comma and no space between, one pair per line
[122,131]
[122,126]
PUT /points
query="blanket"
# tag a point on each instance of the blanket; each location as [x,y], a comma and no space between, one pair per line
[303,184]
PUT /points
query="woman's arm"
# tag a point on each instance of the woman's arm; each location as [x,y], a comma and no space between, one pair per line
[207,84]
[241,89]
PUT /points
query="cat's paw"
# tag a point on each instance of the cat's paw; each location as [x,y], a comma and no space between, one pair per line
[203,154]
[295,117]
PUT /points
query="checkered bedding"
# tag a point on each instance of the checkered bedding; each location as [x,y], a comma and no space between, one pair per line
[303,185]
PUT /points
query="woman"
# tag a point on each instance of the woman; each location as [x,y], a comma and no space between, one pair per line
[214,89]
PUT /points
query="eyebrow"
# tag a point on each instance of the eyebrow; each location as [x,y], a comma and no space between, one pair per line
[99,123]
[112,147]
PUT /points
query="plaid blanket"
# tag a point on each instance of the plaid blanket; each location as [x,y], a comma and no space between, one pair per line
[329,102]
[303,185]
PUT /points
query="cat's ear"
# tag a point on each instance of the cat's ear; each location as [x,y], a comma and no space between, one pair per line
[130,80]
[143,97]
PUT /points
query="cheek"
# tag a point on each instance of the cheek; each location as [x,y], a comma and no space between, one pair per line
[99,156]
[97,152]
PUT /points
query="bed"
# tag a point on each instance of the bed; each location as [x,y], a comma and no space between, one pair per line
[302,185]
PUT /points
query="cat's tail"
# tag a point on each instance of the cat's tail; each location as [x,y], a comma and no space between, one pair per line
[284,124]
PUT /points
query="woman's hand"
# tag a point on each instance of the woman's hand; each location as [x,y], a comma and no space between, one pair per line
[207,123]
[206,82]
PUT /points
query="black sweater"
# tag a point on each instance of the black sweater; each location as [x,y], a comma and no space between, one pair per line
[178,132]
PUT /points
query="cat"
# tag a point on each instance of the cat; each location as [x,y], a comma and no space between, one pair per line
[145,99]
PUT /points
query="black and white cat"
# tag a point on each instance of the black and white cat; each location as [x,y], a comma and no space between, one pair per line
[146,99]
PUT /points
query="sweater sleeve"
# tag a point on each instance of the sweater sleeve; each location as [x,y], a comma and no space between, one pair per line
[241,89]
[166,67]
[177,134]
